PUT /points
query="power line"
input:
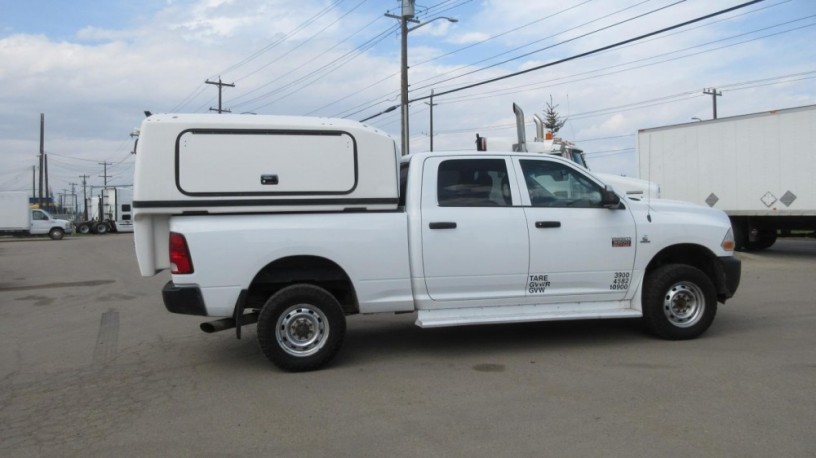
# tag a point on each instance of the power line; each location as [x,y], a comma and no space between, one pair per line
[303,43]
[594,51]
[320,72]
[310,60]
[571,78]
[275,43]
[436,83]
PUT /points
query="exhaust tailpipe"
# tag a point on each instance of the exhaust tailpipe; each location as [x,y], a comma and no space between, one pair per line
[227,323]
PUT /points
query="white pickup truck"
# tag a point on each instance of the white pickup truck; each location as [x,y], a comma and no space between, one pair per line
[297,223]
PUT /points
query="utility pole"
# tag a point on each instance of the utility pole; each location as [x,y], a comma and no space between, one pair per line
[47,192]
[74,196]
[407,15]
[105,175]
[84,197]
[220,86]
[431,104]
[33,181]
[42,158]
[714,94]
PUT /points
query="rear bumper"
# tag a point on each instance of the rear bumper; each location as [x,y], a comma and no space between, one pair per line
[731,268]
[186,300]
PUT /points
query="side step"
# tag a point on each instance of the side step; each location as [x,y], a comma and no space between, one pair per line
[525,313]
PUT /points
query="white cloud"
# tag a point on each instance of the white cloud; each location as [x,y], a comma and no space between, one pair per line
[94,88]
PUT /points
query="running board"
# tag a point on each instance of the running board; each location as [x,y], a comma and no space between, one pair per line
[525,313]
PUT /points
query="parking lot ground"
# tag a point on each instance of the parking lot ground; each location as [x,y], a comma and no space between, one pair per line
[91,363]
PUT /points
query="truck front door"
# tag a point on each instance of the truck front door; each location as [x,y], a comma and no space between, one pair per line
[579,250]
[474,239]
[40,222]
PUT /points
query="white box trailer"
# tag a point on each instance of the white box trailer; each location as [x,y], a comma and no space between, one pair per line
[15,213]
[110,211]
[759,168]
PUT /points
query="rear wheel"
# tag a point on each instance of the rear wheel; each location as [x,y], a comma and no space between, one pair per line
[84,228]
[301,328]
[765,239]
[679,302]
[56,233]
[101,228]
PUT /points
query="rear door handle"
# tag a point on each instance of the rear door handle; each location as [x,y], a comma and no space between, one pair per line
[442,225]
[547,224]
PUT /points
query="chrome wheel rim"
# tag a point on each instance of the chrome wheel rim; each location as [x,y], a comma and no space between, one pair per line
[684,304]
[302,330]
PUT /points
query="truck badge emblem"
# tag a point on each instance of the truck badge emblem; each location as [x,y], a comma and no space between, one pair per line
[645,239]
[621,242]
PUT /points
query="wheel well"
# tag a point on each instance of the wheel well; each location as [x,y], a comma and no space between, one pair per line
[692,255]
[311,270]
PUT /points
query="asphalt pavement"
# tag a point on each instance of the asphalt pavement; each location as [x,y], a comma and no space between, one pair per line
[92,364]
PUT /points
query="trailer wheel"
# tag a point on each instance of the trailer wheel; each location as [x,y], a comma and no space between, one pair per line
[84,228]
[679,302]
[765,240]
[56,233]
[301,328]
[101,228]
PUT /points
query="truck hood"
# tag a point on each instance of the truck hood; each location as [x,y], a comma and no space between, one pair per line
[666,206]
[630,186]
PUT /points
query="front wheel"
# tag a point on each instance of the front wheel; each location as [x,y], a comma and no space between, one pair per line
[301,328]
[56,233]
[679,302]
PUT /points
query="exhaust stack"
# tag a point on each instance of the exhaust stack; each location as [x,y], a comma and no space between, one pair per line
[521,146]
[539,123]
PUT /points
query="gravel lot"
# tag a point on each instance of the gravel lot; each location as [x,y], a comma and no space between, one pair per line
[91,363]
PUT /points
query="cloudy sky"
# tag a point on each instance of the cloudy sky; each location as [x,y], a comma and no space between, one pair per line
[94,67]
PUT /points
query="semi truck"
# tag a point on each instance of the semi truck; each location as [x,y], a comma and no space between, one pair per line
[546,143]
[759,168]
[109,211]
[295,223]
[18,218]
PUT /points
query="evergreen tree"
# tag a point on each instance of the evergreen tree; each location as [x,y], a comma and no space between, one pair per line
[552,120]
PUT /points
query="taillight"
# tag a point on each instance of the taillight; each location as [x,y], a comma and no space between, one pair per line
[180,260]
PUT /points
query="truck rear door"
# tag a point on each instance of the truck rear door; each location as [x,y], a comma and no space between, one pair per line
[579,250]
[474,239]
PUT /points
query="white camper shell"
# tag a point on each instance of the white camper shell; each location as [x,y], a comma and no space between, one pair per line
[207,164]
[244,163]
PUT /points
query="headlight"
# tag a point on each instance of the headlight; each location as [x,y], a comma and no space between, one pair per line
[728,242]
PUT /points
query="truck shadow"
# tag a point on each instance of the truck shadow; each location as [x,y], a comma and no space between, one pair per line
[388,341]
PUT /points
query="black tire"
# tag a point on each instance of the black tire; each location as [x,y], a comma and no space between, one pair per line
[84,228]
[101,228]
[765,241]
[740,235]
[56,233]
[679,302]
[301,328]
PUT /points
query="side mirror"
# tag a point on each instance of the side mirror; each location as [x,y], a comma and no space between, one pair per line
[609,199]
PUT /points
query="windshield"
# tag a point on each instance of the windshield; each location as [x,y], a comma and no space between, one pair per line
[577,156]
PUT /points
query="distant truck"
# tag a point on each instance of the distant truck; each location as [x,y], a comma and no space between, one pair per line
[17,218]
[546,144]
[759,168]
[110,211]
